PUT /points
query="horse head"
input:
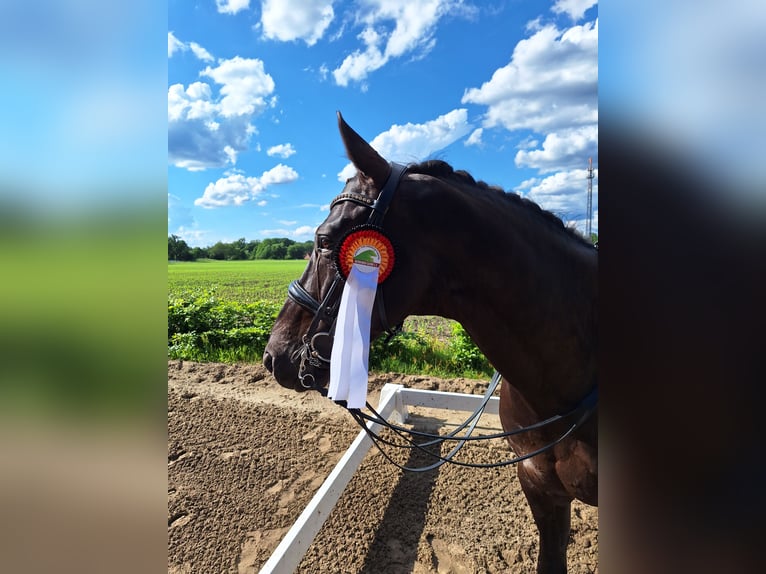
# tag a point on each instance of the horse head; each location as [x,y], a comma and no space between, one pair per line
[300,344]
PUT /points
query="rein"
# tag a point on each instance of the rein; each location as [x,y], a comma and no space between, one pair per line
[316,349]
[579,414]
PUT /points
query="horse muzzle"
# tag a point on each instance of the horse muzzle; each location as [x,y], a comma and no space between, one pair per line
[276,359]
[306,367]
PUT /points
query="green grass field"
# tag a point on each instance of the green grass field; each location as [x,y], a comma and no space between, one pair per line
[240,281]
[223,311]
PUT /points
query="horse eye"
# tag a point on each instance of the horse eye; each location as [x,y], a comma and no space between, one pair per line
[323,242]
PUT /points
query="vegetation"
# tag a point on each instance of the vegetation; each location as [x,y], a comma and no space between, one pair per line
[240,281]
[279,248]
[223,311]
[241,249]
[202,327]
[420,353]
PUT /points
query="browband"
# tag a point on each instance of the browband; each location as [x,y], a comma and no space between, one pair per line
[380,205]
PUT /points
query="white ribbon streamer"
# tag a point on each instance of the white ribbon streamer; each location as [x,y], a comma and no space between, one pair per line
[351,348]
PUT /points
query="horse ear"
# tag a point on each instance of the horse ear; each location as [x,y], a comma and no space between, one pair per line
[362,155]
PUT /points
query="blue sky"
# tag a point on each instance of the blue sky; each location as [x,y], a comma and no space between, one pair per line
[506,90]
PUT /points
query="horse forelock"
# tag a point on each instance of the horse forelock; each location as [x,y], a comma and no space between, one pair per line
[442,170]
[362,184]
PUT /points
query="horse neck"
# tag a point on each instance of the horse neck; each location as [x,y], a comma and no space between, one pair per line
[526,293]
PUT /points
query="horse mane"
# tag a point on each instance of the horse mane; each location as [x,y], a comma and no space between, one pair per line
[442,170]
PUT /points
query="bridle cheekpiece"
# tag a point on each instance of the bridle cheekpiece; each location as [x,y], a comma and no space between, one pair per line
[314,353]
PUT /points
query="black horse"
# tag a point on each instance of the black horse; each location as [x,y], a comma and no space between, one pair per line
[522,284]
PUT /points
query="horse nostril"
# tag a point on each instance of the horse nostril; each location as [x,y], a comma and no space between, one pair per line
[267,362]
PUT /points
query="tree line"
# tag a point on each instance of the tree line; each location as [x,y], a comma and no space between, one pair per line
[274,248]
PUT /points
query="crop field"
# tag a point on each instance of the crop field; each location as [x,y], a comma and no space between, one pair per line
[223,311]
[239,281]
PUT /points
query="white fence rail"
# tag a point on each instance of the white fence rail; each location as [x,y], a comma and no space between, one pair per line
[394,400]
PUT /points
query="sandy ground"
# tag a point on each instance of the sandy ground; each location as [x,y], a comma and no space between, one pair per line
[245,456]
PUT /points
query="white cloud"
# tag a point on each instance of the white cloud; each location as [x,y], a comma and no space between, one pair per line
[231,154]
[563,193]
[550,83]
[194,237]
[207,130]
[280,173]
[475,137]
[421,140]
[414,27]
[234,189]
[358,65]
[194,102]
[288,20]
[413,142]
[231,6]
[527,143]
[200,52]
[245,84]
[198,137]
[550,87]
[237,189]
[282,150]
[176,45]
[574,8]
[303,232]
[561,150]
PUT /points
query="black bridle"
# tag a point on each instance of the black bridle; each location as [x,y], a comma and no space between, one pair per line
[314,353]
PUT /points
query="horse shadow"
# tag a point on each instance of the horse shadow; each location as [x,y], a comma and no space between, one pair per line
[394,549]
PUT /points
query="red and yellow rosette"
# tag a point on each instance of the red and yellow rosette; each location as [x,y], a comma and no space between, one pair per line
[369,248]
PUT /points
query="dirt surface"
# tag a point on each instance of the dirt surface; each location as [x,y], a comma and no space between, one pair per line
[245,456]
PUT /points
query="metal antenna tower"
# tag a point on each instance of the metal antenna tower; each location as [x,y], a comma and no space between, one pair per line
[589,209]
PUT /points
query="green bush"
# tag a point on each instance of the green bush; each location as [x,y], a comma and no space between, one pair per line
[203,328]
[465,354]
[418,353]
